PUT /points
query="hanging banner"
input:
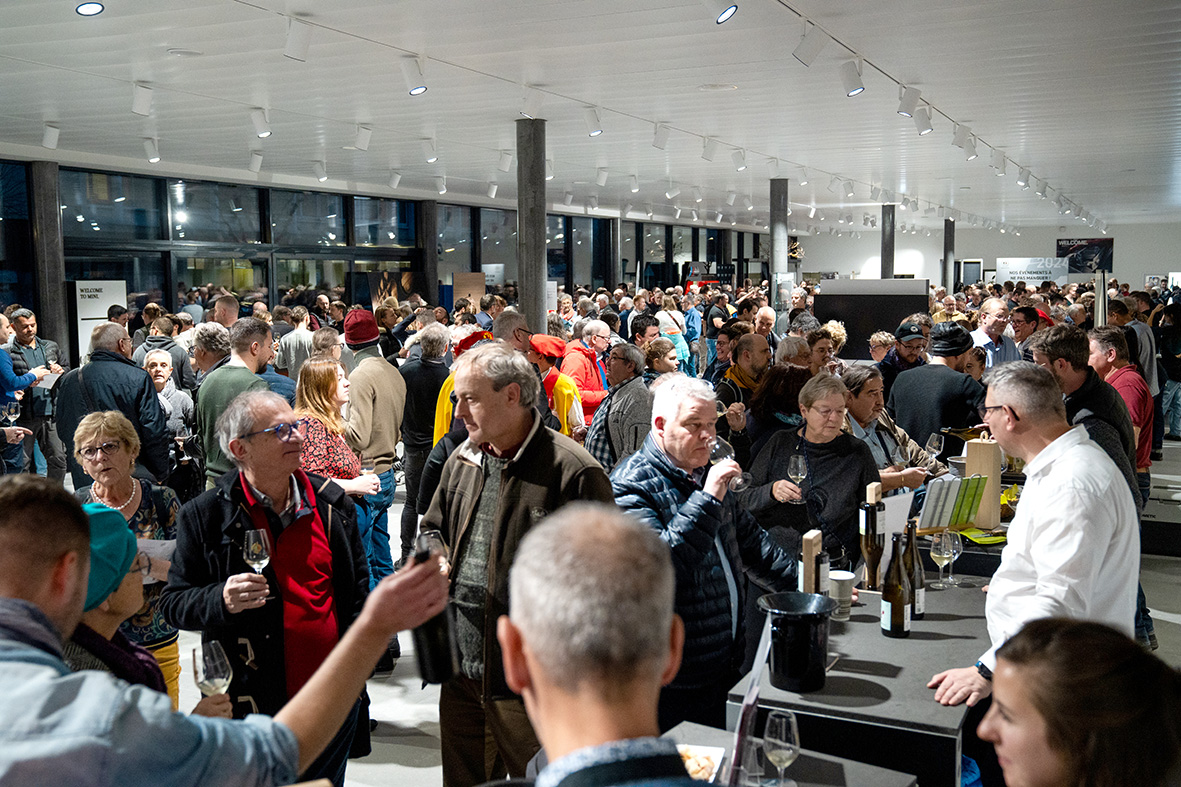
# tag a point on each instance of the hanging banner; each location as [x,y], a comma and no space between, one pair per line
[1031,270]
[1087,255]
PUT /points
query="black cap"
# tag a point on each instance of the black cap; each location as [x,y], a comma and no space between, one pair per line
[949,339]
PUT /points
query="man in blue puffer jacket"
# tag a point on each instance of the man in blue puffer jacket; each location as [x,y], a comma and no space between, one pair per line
[670,484]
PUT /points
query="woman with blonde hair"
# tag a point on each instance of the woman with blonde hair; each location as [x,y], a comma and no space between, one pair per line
[106,446]
[320,397]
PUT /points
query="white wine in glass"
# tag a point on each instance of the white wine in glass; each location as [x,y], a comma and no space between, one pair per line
[722,450]
[256,550]
[797,471]
[211,669]
[781,740]
[940,556]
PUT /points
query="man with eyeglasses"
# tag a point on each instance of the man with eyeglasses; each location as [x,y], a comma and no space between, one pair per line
[993,319]
[1024,322]
[279,625]
[1074,545]
[29,351]
[907,353]
[624,418]
[582,364]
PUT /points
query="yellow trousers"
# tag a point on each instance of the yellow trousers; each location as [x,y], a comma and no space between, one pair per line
[168,657]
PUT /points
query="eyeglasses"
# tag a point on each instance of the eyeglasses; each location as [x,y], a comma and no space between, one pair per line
[984,411]
[106,449]
[522,335]
[827,412]
[282,431]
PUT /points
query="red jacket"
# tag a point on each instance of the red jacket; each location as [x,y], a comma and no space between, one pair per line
[581,366]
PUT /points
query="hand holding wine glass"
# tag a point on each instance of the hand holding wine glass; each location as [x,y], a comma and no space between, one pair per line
[781,740]
[797,471]
[211,669]
[721,452]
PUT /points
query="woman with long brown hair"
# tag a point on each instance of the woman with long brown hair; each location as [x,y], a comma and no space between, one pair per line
[320,397]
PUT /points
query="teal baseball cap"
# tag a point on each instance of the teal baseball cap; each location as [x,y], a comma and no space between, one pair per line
[112,551]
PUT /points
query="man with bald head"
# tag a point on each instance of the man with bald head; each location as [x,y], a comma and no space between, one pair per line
[752,356]
[112,381]
[994,318]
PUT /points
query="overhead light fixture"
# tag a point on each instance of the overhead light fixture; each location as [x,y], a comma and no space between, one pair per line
[299,38]
[259,118]
[441,184]
[730,197]
[723,10]
[492,187]
[709,149]
[49,136]
[874,193]
[810,45]
[1023,178]
[648,212]
[141,99]
[697,195]
[362,137]
[506,161]
[803,176]
[970,149]
[960,135]
[812,212]
[851,77]
[922,120]
[89,9]
[601,176]
[569,198]
[152,150]
[848,188]
[395,179]
[531,103]
[739,159]
[773,168]
[908,100]
[414,74]
[235,207]
[594,124]
[549,169]
[998,161]
[693,215]
[659,136]
[428,151]
[676,213]
[635,184]
[902,203]
[1039,188]
[320,171]
[255,161]
[834,182]
[719,217]
[672,192]
[747,203]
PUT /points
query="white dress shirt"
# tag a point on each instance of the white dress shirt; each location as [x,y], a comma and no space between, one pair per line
[1074,545]
[997,352]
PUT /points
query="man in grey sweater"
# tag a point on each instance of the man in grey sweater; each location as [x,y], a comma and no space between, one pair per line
[623,419]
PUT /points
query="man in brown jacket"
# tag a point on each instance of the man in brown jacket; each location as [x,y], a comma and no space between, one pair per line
[507,476]
[377,399]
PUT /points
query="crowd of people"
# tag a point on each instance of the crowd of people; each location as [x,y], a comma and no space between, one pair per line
[586,464]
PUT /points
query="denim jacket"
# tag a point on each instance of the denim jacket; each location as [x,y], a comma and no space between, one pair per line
[89,728]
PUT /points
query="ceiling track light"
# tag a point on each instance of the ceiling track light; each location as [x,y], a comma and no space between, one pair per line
[299,39]
[813,41]
[320,171]
[549,169]
[812,212]
[739,159]
[492,187]
[851,77]
[395,179]
[262,126]
[594,123]
[141,99]
[676,213]
[693,215]
[723,10]
[709,149]
[672,192]
[848,218]
[1023,178]
[568,199]
[635,184]
[592,203]
[531,103]
[874,193]
[922,120]
[833,182]
[441,184]
[627,209]
[152,150]
[908,100]
[255,161]
[960,135]
[648,212]
[719,217]
[970,149]
[414,74]
[506,161]
[601,176]
[697,195]
[429,153]
[49,137]
[803,176]
[362,137]
[847,187]
[659,136]
[747,203]
[997,161]
[730,197]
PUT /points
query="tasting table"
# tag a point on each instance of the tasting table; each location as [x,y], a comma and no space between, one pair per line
[875,706]
[810,769]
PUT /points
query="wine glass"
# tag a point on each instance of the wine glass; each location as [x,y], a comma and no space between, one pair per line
[211,669]
[722,450]
[256,551]
[957,549]
[433,540]
[722,408]
[797,471]
[934,445]
[781,740]
[941,555]
[12,412]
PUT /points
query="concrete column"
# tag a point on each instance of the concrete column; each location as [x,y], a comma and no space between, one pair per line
[428,230]
[948,254]
[887,242]
[531,221]
[49,258]
[780,238]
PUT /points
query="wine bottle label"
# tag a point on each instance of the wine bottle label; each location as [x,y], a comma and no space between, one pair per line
[824,585]
[885,615]
[906,618]
[862,516]
[920,601]
[800,575]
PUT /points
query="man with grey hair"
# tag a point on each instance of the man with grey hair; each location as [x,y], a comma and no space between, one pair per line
[317,566]
[250,350]
[624,418]
[584,366]
[1074,545]
[510,473]
[112,381]
[211,349]
[589,640]
[670,484]
[29,351]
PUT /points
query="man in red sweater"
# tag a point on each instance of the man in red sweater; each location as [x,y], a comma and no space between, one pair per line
[582,364]
[1111,361]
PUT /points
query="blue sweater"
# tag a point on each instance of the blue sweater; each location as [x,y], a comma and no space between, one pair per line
[10,382]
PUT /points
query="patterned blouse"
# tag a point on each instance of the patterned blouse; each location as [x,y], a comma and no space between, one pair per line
[327,454]
[155,519]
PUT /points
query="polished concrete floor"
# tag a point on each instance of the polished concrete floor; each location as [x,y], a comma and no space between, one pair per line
[406,742]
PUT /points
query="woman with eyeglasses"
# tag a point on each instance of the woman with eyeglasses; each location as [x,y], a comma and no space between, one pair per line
[838,468]
[106,446]
[320,397]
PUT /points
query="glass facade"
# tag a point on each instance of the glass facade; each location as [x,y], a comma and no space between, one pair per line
[498,246]
[304,218]
[455,241]
[16,236]
[105,207]
[201,211]
[384,222]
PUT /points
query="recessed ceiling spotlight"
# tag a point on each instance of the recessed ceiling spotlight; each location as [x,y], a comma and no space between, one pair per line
[723,10]
[908,100]
[851,77]
[594,123]
[177,51]
[89,9]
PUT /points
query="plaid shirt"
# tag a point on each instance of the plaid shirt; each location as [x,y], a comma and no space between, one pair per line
[597,442]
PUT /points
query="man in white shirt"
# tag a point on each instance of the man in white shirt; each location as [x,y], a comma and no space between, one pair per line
[994,318]
[1074,545]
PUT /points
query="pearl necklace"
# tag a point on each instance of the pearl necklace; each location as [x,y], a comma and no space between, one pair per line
[118,508]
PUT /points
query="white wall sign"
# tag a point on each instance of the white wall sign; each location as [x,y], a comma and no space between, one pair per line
[91,301]
[1031,270]
[551,295]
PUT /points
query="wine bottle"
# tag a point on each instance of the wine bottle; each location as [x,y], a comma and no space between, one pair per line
[822,568]
[965,433]
[896,594]
[873,544]
[435,645]
[913,565]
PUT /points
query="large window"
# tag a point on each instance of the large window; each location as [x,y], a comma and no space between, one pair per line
[16,246]
[300,218]
[498,246]
[106,207]
[557,259]
[144,274]
[384,222]
[455,241]
[202,211]
[247,278]
[582,251]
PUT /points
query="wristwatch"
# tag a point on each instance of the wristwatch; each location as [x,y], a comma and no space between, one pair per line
[984,671]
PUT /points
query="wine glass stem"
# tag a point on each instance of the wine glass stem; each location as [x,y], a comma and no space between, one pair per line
[941,576]
[951,572]
[780,776]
